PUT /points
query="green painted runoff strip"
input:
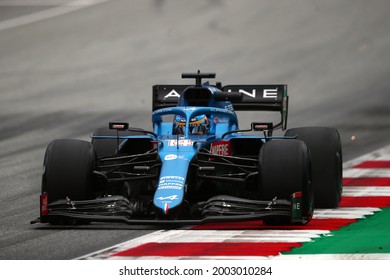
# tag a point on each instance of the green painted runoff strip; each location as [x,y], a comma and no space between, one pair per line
[370,235]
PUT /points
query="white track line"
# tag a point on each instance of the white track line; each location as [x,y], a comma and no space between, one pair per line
[244,236]
[176,236]
[366,191]
[366,172]
[156,236]
[48,13]
[380,154]
[32,3]
[345,213]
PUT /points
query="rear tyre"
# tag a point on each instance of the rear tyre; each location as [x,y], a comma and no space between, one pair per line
[326,155]
[284,168]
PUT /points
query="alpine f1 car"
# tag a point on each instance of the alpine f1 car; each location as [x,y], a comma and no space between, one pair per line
[197,165]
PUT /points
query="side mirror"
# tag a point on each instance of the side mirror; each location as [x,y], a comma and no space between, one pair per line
[258,126]
[118,125]
[265,127]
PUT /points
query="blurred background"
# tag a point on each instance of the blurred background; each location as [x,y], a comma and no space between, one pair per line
[68,67]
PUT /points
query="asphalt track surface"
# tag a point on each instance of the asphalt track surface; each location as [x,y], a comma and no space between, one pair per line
[63,76]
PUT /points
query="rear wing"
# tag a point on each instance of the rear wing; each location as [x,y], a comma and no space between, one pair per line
[255,98]
[167,95]
[259,97]
[262,98]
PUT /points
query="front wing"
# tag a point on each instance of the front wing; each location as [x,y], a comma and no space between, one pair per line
[117,209]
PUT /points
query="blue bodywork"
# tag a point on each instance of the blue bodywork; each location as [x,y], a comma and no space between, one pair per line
[177,151]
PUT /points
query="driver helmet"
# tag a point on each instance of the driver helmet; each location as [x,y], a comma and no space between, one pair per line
[198,124]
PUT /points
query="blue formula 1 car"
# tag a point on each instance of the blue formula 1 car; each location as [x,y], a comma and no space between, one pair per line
[197,165]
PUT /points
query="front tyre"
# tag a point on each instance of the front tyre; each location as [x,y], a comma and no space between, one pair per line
[285,168]
[68,170]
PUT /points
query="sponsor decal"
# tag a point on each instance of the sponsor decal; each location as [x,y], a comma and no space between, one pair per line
[182,142]
[171,182]
[229,107]
[296,201]
[172,93]
[253,94]
[170,157]
[171,197]
[270,93]
[222,111]
[172,178]
[169,187]
[267,93]
[182,158]
[221,148]
[163,110]
[44,204]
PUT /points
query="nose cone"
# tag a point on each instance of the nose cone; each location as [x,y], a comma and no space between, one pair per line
[170,192]
[171,185]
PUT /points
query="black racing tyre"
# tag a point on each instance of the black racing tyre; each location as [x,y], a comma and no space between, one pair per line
[285,168]
[68,170]
[108,147]
[326,155]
